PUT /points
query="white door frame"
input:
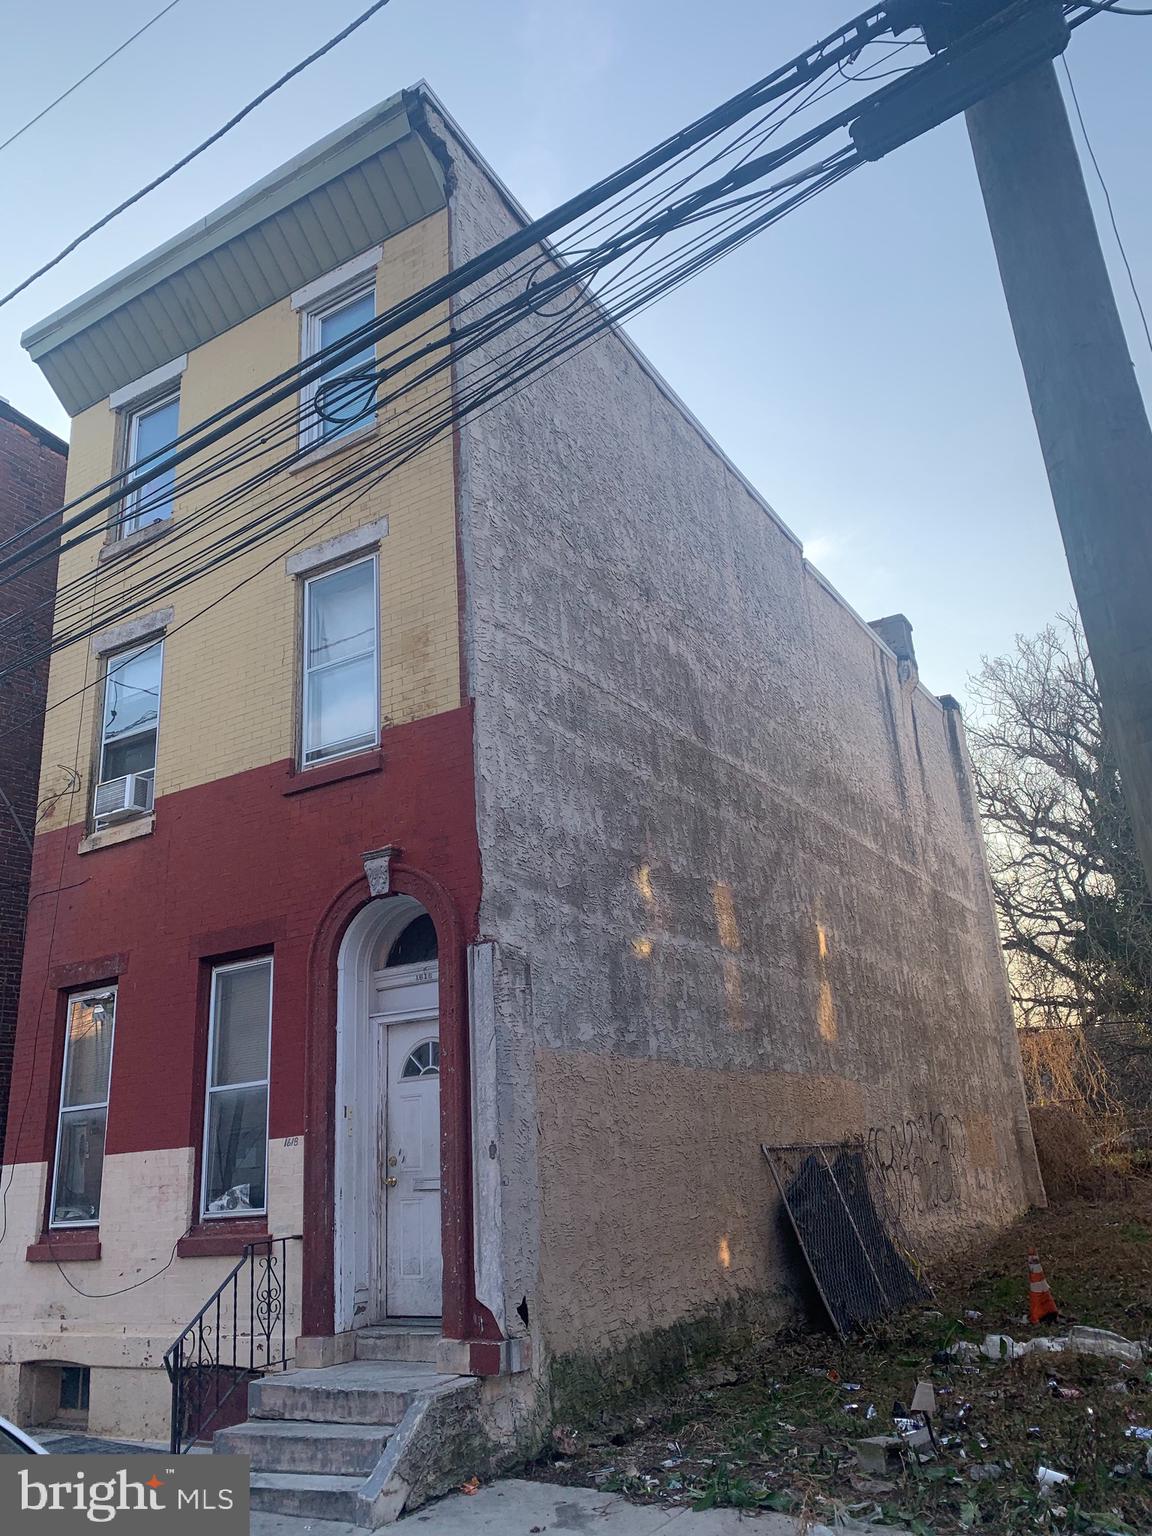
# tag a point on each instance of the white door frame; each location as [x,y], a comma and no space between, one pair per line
[358,1216]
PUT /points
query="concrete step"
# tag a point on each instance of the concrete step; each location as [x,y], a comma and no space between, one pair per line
[362,1392]
[408,1342]
[335,1450]
[307,1495]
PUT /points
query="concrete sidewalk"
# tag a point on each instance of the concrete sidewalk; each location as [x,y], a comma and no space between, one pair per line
[514,1507]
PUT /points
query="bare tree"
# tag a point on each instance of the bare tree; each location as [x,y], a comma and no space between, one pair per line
[1075,909]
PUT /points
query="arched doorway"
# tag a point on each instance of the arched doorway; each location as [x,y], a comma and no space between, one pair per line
[387,1239]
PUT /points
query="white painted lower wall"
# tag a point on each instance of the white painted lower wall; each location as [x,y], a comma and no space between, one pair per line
[146,1204]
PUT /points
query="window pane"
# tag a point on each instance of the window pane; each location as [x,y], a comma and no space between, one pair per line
[131,710]
[79,1165]
[346,394]
[153,431]
[135,756]
[240,1025]
[342,614]
[237,1142]
[88,1050]
[341,707]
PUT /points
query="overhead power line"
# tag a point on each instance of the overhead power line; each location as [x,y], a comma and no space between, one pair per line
[844,43]
[95,70]
[192,154]
[1107,200]
[447,348]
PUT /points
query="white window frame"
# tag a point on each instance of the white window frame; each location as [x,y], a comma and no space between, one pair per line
[126,520]
[312,315]
[306,671]
[93,994]
[209,1089]
[109,662]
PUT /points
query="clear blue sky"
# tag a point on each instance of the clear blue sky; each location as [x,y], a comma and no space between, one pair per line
[856,361]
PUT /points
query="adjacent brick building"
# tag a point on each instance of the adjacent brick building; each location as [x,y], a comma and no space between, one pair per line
[33,462]
[533,835]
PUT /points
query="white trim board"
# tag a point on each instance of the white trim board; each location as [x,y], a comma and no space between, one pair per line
[128,394]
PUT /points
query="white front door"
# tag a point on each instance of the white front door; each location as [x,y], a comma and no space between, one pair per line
[410,1144]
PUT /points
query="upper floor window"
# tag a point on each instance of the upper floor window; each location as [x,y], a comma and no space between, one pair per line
[79,1166]
[343,399]
[341,670]
[150,430]
[127,767]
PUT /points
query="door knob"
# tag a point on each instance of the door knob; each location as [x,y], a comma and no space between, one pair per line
[390,1181]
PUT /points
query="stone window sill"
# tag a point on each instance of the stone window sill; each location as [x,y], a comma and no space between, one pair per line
[300,779]
[324,451]
[115,548]
[124,833]
[67,1246]
[226,1237]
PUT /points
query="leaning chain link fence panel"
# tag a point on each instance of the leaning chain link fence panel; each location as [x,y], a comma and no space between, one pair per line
[848,1231]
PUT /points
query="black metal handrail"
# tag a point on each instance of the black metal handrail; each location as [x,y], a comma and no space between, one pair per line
[239,1333]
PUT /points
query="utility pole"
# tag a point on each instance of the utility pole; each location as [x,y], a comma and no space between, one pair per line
[1089,413]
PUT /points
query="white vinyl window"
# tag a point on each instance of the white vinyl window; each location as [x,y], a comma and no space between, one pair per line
[341,668]
[79,1163]
[151,429]
[235,1161]
[127,768]
[343,400]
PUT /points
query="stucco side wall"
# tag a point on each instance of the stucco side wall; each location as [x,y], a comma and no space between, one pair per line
[729,857]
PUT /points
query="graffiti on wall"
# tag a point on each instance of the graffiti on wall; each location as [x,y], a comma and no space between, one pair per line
[917,1160]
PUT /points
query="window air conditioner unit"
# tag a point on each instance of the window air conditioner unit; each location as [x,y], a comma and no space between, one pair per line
[118,798]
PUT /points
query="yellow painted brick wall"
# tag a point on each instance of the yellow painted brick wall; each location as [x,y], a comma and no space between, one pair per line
[229,697]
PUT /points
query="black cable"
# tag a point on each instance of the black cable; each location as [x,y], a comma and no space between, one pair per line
[96,68]
[1107,201]
[1116,10]
[378,5]
[121,1290]
[382,463]
[273,391]
[257,442]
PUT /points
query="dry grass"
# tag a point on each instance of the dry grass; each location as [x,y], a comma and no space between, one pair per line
[773,1427]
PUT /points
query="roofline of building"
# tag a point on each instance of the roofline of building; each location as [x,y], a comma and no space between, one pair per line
[311,168]
[8,412]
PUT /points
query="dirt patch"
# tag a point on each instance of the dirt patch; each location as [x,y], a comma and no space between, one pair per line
[775,1425]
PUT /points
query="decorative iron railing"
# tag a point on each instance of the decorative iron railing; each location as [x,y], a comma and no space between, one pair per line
[240,1333]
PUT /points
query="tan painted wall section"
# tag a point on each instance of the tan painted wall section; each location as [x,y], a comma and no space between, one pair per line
[654,1188]
[230,689]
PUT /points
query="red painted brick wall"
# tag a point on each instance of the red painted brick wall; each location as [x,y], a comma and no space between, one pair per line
[236,864]
[32,465]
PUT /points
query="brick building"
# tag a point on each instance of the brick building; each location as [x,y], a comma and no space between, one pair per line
[468,895]
[33,462]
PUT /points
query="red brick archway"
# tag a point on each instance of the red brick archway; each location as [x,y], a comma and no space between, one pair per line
[463,1316]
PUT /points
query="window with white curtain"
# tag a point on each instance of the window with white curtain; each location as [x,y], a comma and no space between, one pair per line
[79,1164]
[235,1160]
[341,703]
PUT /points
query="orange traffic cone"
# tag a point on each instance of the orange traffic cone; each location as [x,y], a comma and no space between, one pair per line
[1041,1303]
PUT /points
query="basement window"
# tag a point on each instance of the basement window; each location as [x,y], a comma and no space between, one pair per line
[75,1383]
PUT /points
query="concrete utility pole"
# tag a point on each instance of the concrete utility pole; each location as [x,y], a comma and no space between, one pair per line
[1089,413]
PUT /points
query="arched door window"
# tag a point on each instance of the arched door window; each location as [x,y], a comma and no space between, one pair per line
[416,945]
[424,1061]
